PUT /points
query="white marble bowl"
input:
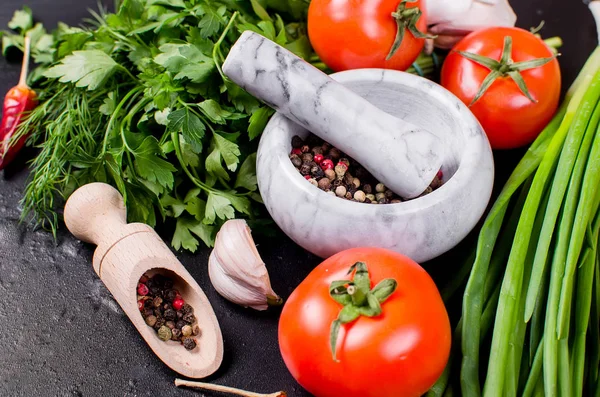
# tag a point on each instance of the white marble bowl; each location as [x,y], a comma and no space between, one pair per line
[423,228]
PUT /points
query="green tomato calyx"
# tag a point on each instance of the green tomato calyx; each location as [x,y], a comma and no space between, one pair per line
[358,299]
[505,67]
[406,18]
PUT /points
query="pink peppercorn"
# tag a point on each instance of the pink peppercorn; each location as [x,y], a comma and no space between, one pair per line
[326,164]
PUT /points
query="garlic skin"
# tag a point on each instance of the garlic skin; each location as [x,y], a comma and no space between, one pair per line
[439,11]
[451,20]
[236,270]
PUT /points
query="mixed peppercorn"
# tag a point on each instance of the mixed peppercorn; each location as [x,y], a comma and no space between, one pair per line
[334,172]
[164,309]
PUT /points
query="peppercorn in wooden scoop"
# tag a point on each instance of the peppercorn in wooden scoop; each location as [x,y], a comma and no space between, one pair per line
[403,156]
[96,214]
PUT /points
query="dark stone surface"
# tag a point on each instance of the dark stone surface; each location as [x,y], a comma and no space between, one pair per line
[62,334]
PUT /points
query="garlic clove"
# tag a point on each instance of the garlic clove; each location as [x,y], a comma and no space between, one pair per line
[481,14]
[439,11]
[236,270]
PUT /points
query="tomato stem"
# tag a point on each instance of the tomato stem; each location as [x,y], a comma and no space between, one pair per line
[406,19]
[505,67]
[358,299]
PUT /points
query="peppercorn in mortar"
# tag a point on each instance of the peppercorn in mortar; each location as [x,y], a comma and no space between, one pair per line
[315,159]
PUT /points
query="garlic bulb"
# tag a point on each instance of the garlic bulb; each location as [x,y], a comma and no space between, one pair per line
[452,20]
[236,270]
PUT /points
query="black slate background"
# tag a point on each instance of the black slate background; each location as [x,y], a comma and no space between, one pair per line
[62,334]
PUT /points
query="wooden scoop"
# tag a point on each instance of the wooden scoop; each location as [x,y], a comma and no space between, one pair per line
[96,214]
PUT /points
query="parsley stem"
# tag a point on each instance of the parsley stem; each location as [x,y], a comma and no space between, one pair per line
[196,181]
[115,114]
[217,46]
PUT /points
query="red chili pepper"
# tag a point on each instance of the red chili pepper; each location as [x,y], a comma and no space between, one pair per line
[18,101]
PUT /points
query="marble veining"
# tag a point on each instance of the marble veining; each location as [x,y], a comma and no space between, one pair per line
[423,228]
[403,155]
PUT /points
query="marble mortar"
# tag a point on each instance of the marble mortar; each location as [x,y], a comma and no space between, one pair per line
[422,228]
[408,156]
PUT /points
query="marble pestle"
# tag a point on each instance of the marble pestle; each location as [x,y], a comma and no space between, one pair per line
[403,156]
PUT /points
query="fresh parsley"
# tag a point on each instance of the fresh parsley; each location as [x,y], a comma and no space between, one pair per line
[136,98]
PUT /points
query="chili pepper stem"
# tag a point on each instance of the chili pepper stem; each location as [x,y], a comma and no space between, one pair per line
[25,66]
[224,389]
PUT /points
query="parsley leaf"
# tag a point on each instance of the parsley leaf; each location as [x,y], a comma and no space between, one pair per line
[183,234]
[86,68]
[22,20]
[258,121]
[218,205]
[177,206]
[190,126]
[212,21]
[246,177]
[230,152]
[149,165]
[211,109]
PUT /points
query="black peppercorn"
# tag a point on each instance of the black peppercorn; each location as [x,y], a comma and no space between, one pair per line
[314,169]
[187,308]
[148,312]
[297,142]
[317,150]
[159,323]
[368,189]
[170,295]
[348,179]
[336,183]
[158,312]
[170,314]
[175,334]
[325,147]
[296,160]
[389,194]
[307,157]
[382,201]
[180,324]
[189,343]
[168,283]
[189,318]
[155,291]
[305,168]
[334,153]
[180,314]
[196,330]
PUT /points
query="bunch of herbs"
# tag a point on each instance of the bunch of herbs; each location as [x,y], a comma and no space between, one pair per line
[137,99]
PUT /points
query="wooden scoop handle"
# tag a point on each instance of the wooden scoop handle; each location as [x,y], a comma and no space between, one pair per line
[96,214]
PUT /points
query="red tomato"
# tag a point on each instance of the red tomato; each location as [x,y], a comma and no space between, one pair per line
[509,118]
[400,352]
[354,34]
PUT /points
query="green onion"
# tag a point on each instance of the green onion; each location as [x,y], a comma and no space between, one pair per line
[535,277]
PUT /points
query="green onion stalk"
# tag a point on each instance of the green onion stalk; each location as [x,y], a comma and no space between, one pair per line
[530,321]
